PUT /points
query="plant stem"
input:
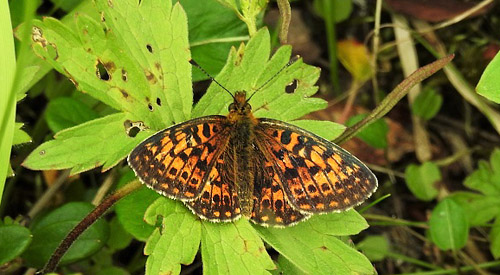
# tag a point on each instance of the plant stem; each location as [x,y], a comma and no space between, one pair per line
[91,218]
[394,221]
[332,46]
[395,96]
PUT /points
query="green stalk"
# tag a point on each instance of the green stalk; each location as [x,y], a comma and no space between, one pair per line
[11,77]
[331,36]
[395,96]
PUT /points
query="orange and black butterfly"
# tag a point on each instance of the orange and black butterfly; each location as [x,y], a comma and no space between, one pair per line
[274,173]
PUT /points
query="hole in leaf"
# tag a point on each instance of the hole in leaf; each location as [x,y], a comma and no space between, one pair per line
[150,49]
[158,101]
[290,88]
[134,127]
[101,71]
[150,107]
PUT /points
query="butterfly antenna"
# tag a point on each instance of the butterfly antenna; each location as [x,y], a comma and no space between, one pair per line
[209,76]
[292,60]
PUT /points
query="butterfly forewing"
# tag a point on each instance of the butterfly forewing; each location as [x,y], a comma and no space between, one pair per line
[176,161]
[316,175]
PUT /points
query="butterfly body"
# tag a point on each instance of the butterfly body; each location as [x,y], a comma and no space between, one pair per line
[274,173]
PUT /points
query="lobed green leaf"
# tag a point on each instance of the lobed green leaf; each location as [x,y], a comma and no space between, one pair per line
[233,248]
[313,248]
[102,141]
[176,242]
[66,112]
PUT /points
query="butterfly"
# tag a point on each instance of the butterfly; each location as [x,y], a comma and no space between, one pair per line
[269,171]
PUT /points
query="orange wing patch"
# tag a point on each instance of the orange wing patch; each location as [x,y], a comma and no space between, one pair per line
[175,161]
[316,175]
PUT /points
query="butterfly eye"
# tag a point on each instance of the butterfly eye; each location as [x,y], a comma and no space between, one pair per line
[232,107]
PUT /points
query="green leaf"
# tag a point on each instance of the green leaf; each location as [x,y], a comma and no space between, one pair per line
[66,112]
[233,248]
[119,238]
[489,84]
[14,239]
[375,248]
[286,267]
[105,141]
[40,66]
[312,247]
[132,66]
[374,134]
[53,228]
[495,239]
[326,129]
[248,68]
[213,30]
[478,208]
[340,9]
[422,179]
[131,209]
[20,136]
[66,5]
[178,240]
[448,225]
[427,103]
[486,179]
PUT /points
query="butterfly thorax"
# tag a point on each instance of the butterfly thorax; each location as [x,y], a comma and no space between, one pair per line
[240,144]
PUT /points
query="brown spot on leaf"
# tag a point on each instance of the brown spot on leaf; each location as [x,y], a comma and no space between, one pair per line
[324,248]
[150,77]
[110,66]
[124,93]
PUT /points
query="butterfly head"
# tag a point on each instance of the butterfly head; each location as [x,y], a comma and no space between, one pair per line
[240,104]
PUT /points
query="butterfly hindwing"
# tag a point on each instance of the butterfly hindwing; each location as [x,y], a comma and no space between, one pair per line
[271,206]
[175,162]
[316,175]
[219,199]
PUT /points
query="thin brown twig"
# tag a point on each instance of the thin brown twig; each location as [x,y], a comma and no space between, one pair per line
[92,217]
